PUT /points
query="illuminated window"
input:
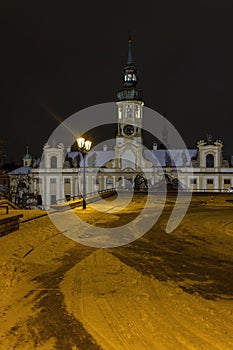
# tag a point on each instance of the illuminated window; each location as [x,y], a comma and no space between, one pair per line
[137,112]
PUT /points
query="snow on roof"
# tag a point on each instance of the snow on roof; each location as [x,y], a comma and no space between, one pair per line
[99,157]
[177,156]
[23,170]
[156,157]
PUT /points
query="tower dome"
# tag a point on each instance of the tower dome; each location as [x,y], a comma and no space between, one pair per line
[27,158]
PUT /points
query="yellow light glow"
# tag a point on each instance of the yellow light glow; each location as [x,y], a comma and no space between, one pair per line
[80,142]
[88,145]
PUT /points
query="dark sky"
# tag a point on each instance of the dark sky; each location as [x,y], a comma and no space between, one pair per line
[58,57]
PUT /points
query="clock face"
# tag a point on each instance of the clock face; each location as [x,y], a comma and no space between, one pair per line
[128,130]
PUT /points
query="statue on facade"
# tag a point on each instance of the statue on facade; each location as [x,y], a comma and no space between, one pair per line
[140,183]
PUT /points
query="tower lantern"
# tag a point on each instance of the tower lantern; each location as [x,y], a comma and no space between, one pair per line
[130,91]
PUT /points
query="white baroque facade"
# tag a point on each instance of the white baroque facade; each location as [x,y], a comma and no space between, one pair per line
[60,175]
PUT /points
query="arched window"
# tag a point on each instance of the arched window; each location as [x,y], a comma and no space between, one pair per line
[53,162]
[209,161]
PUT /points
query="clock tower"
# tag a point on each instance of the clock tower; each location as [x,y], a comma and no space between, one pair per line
[128,149]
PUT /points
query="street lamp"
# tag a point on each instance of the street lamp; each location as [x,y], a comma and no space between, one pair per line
[84,147]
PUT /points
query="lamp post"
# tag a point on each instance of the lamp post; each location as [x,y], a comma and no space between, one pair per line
[84,147]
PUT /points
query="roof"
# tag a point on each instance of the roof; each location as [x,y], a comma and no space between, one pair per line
[177,156]
[23,170]
[98,158]
[156,157]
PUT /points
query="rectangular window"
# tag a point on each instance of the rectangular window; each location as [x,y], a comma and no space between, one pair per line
[39,199]
[109,181]
[210,181]
[137,112]
[193,181]
[129,111]
[52,180]
[67,180]
[227,181]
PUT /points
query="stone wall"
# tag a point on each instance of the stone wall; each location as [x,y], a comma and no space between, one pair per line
[9,224]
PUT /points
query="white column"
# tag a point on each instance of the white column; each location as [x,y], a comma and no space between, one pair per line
[92,185]
[198,184]
[71,187]
[58,188]
[47,196]
[80,183]
[105,182]
[42,189]
[76,186]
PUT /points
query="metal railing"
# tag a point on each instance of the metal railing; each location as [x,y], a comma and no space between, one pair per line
[207,190]
[89,194]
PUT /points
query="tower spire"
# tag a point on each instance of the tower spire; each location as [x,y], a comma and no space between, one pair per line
[130,53]
[129,91]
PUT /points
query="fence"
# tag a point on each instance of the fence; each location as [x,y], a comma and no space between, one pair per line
[88,195]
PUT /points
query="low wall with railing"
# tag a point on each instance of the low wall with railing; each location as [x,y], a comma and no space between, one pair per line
[9,223]
[78,201]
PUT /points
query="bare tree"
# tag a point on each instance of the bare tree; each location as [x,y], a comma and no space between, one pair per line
[21,191]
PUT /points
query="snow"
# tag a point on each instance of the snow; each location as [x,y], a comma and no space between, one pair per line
[101,157]
[158,157]
[162,292]
[23,170]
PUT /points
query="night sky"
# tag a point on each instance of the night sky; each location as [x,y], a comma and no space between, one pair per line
[58,57]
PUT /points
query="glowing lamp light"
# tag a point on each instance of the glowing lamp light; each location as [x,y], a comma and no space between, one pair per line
[88,145]
[80,142]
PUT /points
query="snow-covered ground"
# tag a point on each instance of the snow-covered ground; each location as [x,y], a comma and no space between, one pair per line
[161,292]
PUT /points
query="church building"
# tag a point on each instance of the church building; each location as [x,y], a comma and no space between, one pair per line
[60,177]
